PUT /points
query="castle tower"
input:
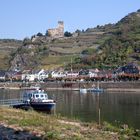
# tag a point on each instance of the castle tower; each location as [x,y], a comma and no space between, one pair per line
[60,24]
[61,28]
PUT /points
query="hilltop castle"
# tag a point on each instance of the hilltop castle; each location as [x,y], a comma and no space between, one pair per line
[57,32]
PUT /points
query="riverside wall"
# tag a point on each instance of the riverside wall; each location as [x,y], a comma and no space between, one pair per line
[75,85]
[104,85]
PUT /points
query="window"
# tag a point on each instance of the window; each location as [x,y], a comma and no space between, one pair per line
[42,96]
[36,96]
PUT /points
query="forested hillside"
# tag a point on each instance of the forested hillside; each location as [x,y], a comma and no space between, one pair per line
[119,45]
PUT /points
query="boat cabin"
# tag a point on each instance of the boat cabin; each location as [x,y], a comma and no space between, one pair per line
[36,96]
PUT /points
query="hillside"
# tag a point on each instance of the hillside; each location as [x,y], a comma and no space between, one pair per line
[105,46]
[119,44]
[123,46]
[7,47]
[44,52]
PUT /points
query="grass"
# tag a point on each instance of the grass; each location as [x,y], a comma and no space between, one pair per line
[70,50]
[123,130]
[52,62]
[3,61]
[53,127]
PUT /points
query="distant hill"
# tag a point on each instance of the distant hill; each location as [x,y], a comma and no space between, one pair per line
[120,43]
[107,46]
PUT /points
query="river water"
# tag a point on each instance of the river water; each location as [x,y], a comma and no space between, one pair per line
[114,107]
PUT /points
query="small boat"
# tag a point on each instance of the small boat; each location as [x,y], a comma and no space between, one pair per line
[92,89]
[83,90]
[37,100]
[95,90]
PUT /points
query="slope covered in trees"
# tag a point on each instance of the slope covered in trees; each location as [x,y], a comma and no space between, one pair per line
[120,44]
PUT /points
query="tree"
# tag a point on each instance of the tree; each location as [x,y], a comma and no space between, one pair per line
[39,34]
[67,34]
[26,41]
[78,31]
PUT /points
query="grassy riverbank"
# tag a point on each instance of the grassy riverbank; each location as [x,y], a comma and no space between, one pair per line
[39,126]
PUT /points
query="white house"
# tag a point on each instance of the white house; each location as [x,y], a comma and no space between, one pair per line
[42,74]
[58,74]
[34,75]
[92,74]
[28,77]
[72,74]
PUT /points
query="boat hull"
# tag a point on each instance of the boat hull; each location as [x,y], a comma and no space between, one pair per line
[42,106]
[95,90]
[35,106]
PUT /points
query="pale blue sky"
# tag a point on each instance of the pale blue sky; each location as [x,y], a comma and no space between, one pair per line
[24,18]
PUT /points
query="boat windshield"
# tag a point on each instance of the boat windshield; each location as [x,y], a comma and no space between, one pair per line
[38,94]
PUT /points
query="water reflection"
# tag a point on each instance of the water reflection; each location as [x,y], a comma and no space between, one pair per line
[122,107]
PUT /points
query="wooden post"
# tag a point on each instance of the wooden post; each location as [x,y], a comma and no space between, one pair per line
[99,111]
[99,117]
[79,84]
[54,110]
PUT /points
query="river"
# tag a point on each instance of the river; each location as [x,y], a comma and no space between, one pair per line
[114,107]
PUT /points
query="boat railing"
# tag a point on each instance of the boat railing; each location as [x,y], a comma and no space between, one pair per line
[9,102]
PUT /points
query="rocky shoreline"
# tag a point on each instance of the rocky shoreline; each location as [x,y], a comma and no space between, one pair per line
[11,132]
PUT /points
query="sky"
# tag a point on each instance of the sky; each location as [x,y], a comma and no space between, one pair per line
[24,18]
